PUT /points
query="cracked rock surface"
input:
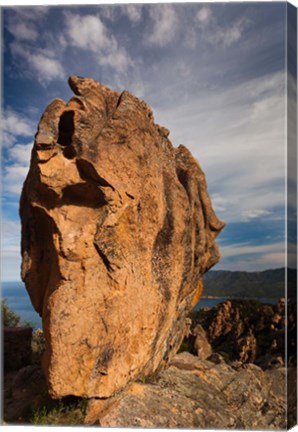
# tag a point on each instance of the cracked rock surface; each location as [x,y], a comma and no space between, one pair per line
[117,231]
[192,393]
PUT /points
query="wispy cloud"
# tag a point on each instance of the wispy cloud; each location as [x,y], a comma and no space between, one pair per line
[21,31]
[16,168]
[46,68]
[14,125]
[164,25]
[20,154]
[89,32]
[14,177]
[32,14]
[10,250]
[219,203]
[35,49]
[235,125]
[248,248]
[214,31]
[22,22]
[133,12]
[40,63]
[204,15]
[213,75]
[229,35]
[255,214]
[252,257]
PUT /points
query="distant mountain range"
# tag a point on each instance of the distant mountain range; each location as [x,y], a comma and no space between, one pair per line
[241,284]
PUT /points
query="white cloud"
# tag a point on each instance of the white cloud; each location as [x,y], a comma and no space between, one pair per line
[22,22]
[218,33]
[87,32]
[14,178]
[219,203]
[204,15]
[134,12]
[118,60]
[10,250]
[254,262]
[34,47]
[15,172]
[30,13]
[238,135]
[229,36]
[10,265]
[14,125]
[252,257]
[247,248]
[11,235]
[248,215]
[42,64]
[21,31]
[21,153]
[165,21]
[47,68]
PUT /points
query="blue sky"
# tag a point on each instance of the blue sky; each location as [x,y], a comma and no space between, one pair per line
[214,75]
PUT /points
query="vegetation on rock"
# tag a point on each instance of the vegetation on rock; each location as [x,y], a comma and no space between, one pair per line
[9,317]
[62,413]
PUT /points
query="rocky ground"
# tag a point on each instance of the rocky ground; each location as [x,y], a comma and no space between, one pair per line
[207,389]
[194,393]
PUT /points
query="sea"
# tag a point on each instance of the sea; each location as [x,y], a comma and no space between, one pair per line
[18,300]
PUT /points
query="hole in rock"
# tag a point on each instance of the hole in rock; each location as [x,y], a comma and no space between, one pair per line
[66,128]
[69,152]
[83,195]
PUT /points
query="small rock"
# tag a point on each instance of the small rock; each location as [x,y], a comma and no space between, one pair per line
[202,347]
[216,358]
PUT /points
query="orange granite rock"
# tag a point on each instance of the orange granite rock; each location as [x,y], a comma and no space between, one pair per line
[117,231]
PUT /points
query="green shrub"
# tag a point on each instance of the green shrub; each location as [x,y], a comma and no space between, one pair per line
[9,317]
[62,414]
[40,417]
[183,347]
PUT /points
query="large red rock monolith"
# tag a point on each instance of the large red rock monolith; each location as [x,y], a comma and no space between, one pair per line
[117,231]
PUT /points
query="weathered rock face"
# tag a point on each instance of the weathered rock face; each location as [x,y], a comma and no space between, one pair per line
[117,231]
[247,331]
[197,394]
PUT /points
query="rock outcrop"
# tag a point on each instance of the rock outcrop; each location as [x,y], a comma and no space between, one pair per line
[117,231]
[247,331]
[197,394]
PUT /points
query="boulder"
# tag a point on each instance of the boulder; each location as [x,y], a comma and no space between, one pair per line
[117,231]
[198,343]
[25,391]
